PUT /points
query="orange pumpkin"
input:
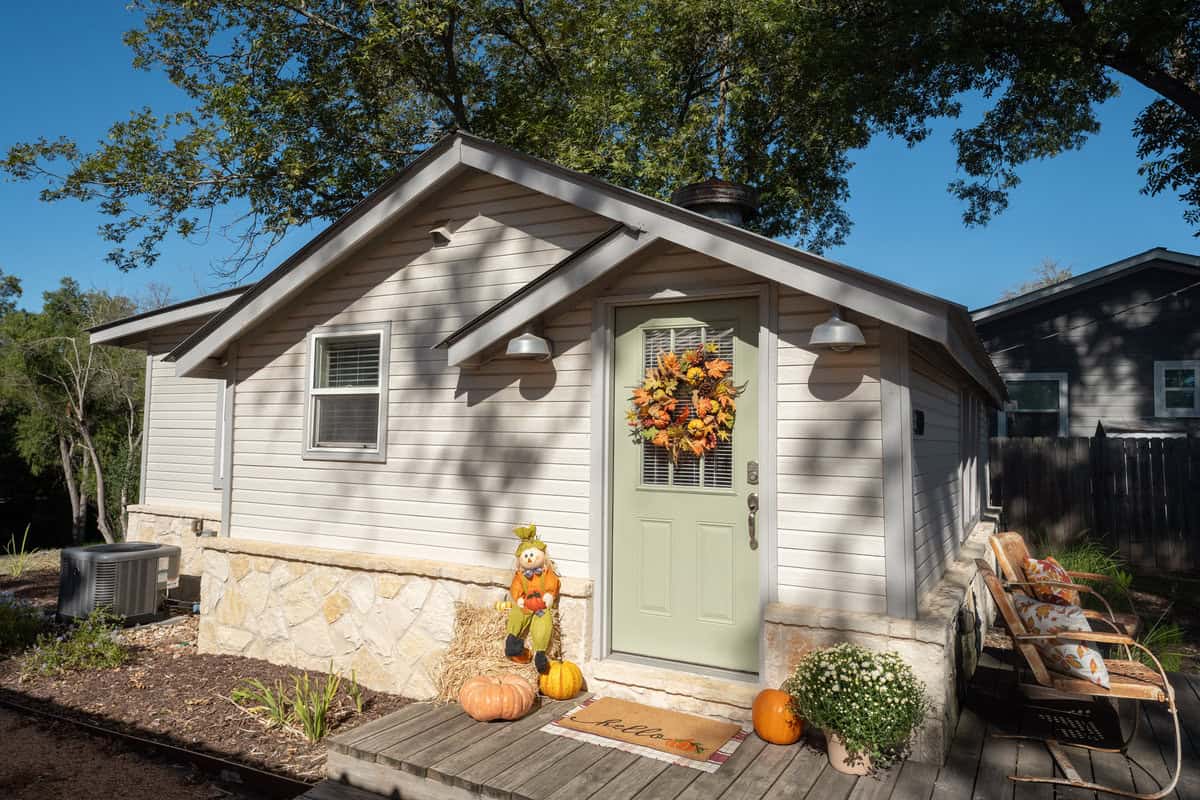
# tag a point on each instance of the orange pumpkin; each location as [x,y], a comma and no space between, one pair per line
[775,719]
[562,682]
[488,697]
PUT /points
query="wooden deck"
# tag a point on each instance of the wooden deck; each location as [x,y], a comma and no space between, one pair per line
[425,751]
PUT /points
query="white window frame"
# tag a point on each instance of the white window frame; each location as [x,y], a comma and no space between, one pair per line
[310,450]
[1160,386]
[1064,408]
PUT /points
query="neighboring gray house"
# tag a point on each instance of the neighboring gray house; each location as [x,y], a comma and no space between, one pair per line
[361,431]
[1117,346]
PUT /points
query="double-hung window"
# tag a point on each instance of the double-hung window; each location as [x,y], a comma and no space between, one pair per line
[346,397]
[1177,388]
[1037,405]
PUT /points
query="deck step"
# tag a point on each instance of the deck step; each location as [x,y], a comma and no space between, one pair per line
[332,790]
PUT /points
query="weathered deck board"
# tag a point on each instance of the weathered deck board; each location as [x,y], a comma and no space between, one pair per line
[430,752]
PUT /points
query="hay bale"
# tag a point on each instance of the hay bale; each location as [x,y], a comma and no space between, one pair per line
[478,649]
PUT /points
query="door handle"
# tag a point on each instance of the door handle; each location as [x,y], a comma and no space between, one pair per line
[752,504]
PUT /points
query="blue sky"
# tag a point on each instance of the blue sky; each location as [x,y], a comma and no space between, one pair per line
[1082,209]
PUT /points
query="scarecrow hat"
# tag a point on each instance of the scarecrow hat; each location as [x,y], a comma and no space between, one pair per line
[528,536]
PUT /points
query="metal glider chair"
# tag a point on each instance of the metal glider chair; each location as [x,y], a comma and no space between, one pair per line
[1010,551]
[1128,680]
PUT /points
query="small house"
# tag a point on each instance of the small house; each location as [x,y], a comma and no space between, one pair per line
[343,448]
[1117,347]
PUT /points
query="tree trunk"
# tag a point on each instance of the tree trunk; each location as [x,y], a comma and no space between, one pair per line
[89,449]
[78,510]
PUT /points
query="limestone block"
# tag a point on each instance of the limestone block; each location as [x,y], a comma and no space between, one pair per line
[206,638]
[437,614]
[413,595]
[216,564]
[361,590]
[396,614]
[368,671]
[325,580]
[255,590]
[334,606]
[298,601]
[232,608]
[233,640]
[315,638]
[388,585]
[239,565]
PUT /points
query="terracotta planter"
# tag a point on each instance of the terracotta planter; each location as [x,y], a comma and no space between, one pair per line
[838,757]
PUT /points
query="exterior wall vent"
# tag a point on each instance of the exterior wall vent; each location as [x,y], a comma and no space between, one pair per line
[127,578]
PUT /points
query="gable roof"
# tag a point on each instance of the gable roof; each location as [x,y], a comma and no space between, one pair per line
[923,314]
[132,330]
[1156,257]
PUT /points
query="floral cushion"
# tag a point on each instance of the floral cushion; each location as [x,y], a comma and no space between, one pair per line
[1047,570]
[1076,659]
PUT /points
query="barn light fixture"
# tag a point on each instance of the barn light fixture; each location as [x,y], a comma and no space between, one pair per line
[529,346]
[837,334]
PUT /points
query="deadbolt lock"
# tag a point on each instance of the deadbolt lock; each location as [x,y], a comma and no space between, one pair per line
[752,473]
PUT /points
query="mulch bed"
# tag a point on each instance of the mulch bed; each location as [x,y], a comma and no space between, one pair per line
[171,692]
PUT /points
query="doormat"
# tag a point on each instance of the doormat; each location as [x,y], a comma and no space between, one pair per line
[681,739]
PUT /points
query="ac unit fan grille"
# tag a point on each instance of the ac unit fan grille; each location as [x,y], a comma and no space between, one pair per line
[106,584]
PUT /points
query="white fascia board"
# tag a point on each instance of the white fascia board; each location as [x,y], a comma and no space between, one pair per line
[838,284]
[136,330]
[408,193]
[574,278]
[835,283]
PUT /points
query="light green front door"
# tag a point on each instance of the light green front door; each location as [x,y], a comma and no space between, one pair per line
[685,582]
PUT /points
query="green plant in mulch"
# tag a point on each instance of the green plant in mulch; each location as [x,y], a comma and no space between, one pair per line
[20,623]
[19,557]
[873,701]
[90,644]
[313,702]
[272,703]
[309,708]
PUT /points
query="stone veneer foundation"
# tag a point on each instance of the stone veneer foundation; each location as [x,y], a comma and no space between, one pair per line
[942,644]
[176,525]
[389,619]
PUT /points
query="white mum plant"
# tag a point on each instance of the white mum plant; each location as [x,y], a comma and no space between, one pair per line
[873,701]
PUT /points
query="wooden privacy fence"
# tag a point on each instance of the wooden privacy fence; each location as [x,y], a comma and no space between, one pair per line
[1142,496]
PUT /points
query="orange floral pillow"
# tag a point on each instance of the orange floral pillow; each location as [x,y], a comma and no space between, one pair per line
[1047,570]
[1076,659]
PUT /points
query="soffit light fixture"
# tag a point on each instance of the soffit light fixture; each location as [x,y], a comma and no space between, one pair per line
[837,334]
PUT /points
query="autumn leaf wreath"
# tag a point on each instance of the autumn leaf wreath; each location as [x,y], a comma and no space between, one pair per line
[686,404]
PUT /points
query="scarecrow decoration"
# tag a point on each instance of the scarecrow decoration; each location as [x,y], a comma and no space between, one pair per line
[534,590]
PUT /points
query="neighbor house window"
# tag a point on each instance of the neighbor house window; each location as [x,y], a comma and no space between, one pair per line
[1177,388]
[346,413]
[1037,405]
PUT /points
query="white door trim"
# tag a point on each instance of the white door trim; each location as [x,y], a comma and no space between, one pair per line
[600,534]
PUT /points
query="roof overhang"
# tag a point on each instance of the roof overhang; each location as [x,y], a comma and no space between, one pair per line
[1158,257]
[943,322]
[134,331]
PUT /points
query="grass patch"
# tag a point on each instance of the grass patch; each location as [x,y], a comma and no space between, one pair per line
[19,557]
[89,644]
[20,623]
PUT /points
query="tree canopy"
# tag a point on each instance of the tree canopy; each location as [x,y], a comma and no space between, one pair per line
[298,109]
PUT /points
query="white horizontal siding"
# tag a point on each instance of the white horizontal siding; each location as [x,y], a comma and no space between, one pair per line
[937,498]
[181,432]
[471,453]
[830,465]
